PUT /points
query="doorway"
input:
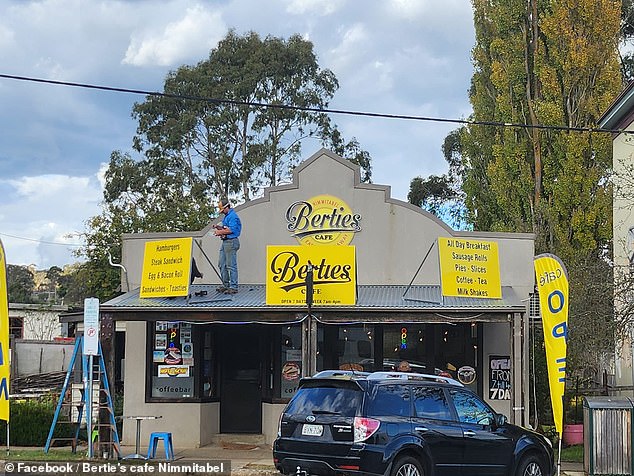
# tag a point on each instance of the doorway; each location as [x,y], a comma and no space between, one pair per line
[240,379]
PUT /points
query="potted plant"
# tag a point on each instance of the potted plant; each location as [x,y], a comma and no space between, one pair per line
[573,418]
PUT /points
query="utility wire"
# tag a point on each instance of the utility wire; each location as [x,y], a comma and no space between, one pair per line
[313,109]
[41,241]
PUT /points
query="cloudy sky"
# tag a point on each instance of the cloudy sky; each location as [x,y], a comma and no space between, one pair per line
[409,57]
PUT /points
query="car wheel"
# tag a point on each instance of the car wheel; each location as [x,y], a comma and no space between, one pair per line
[530,466]
[407,466]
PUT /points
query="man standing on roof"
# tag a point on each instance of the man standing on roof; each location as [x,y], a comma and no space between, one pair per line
[228,230]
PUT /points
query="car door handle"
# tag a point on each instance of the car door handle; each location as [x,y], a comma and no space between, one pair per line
[422,429]
[469,433]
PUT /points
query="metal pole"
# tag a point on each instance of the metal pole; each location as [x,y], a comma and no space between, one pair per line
[89,409]
[207,258]
[559,458]
[632,354]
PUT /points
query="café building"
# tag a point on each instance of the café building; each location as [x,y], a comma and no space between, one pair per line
[390,282]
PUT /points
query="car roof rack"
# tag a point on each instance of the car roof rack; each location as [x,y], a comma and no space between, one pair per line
[412,376]
[340,374]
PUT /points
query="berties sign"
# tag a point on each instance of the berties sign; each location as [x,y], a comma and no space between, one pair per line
[334,275]
[322,220]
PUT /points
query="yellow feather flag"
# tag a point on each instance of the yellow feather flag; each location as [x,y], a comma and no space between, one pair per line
[5,366]
[552,283]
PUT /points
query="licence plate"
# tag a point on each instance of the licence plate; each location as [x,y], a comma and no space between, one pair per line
[312,430]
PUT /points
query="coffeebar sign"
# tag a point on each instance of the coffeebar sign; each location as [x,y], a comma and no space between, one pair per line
[469,268]
[322,220]
[166,268]
[334,275]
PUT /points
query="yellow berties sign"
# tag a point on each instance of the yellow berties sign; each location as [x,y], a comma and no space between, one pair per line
[5,367]
[552,284]
[166,268]
[322,220]
[469,268]
[334,275]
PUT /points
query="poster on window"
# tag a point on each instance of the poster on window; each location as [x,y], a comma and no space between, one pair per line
[160,341]
[499,377]
[291,371]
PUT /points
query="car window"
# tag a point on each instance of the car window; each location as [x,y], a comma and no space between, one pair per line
[430,402]
[470,408]
[325,400]
[389,400]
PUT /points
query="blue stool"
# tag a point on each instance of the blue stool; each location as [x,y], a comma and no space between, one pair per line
[167,444]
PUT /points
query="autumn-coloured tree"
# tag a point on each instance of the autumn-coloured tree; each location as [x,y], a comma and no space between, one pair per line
[551,66]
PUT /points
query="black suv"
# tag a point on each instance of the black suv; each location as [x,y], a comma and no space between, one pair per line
[401,424]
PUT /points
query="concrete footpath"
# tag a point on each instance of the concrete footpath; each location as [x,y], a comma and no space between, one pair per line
[253,459]
[246,459]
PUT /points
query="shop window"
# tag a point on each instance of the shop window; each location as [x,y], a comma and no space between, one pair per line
[346,347]
[173,366]
[209,384]
[290,359]
[408,342]
[16,327]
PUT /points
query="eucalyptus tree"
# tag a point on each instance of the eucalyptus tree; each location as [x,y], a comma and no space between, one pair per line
[229,125]
[262,99]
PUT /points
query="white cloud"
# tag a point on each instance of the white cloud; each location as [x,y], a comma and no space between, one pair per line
[408,8]
[348,52]
[6,37]
[194,34]
[42,217]
[392,56]
[314,7]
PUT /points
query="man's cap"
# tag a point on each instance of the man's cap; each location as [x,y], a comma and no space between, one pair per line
[223,203]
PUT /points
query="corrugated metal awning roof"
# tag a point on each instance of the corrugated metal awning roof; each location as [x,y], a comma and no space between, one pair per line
[252,297]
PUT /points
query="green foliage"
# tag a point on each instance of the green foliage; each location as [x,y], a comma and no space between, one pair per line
[37,454]
[541,63]
[571,454]
[195,149]
[626,36]
[547,63]
[20,284]
[233,145]
[31,421]
[540,395]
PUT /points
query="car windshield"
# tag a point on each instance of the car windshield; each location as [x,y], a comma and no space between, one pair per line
[325,401]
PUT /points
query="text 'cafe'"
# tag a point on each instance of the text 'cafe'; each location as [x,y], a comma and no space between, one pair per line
[391,282]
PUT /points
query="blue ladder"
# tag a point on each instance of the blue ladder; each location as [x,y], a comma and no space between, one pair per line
[104,387]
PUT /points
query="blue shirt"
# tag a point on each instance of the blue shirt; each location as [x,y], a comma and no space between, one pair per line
[232,221]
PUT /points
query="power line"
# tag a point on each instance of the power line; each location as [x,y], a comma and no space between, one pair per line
[41,241]
[314,109]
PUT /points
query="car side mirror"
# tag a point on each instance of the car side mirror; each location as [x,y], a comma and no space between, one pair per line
[500,420]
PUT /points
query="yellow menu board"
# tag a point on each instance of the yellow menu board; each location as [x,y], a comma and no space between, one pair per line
[469,268]
[166,268]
